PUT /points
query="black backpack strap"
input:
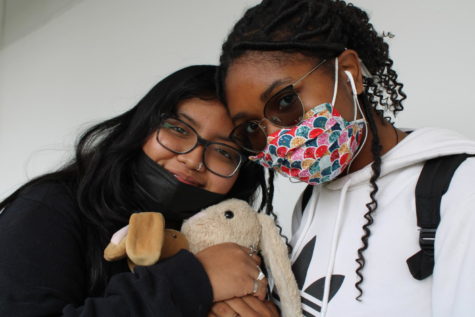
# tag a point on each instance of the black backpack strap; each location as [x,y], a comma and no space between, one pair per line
[432,184]
[307,193]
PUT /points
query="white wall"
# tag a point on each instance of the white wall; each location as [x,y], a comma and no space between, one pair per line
[67,64]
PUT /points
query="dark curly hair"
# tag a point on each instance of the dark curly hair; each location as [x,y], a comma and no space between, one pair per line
[323,29]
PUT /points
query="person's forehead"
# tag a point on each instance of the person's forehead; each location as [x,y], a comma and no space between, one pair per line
[251,71]
[250,83]
[208,117]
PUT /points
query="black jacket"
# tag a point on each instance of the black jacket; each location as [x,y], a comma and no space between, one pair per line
[43,269]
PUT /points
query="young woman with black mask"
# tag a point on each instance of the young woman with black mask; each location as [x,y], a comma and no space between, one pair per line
[170,153]
[308,83]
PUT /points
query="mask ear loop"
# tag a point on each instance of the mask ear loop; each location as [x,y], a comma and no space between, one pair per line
[335,85]
[357,106]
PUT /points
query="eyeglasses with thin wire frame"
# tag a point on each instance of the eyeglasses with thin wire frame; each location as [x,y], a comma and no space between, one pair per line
[284,109]
[179,137]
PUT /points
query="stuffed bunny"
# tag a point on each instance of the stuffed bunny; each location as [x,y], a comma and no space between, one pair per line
[145,240]
[236,221]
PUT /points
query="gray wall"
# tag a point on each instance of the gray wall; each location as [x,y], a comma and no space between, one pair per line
[65,64]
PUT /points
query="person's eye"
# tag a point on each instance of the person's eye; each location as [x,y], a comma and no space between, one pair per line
[176,129]
[224,153]
[285,102]
[251,127]
[180,130]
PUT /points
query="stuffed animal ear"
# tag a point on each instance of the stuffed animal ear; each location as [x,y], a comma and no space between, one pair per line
[276,257]
[115,250]
[145,238]
[174,241]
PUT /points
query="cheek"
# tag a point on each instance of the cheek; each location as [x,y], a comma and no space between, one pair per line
[311,96]
[220,185]
[243,95]
[316,93]
[232,108]
[155,151]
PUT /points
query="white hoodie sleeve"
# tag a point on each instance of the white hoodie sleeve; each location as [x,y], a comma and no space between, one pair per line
[453,292]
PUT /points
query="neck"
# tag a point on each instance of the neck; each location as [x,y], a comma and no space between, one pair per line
[389,137]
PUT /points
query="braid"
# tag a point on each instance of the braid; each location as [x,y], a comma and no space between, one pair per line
[373,204]
[323,29]
[269,194]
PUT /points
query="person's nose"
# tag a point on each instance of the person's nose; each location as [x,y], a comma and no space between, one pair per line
[194,159]
[269,127]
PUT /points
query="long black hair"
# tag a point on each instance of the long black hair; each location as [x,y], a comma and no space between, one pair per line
[323,29]
[100,175]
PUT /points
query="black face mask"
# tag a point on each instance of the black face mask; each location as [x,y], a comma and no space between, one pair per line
[158,190]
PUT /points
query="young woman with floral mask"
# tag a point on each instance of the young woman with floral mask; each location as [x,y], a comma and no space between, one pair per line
[308,83]
[170,153]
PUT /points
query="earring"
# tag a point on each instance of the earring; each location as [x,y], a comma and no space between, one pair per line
[199,167]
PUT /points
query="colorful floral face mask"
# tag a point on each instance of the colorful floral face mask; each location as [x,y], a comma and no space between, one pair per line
[319,148]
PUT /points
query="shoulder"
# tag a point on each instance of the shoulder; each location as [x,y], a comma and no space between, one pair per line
[454,254]
[457,208]
[51,200]
[47,191]
[461,186]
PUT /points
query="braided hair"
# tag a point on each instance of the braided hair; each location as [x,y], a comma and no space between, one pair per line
[323,29]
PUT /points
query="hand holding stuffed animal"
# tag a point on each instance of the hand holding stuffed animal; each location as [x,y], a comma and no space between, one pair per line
[235,221]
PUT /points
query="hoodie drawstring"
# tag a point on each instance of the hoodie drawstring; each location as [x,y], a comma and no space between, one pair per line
[334,246]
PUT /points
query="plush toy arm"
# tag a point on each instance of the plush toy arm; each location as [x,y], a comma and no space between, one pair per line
[145,239]
[275,255]
[115,250]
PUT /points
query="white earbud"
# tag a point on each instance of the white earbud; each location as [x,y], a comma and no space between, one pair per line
[357,107]
[352,82]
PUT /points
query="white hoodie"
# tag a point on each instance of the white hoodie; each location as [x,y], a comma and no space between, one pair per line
[328,234]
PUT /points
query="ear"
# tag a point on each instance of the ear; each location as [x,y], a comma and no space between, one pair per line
[145,238]
[350,61]
[276,258]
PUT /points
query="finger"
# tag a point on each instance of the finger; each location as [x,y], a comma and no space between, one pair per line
[223,309]
[262,294]
[259,288]
[253,249]
[260,275]
[242,308]
[252,253]
[271,306]
[261,307]
[212,315]
[257,259]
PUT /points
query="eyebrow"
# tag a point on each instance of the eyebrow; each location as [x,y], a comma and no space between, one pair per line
[279,82]
[238,116]
[189,119]
[264,96]
[197,126]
